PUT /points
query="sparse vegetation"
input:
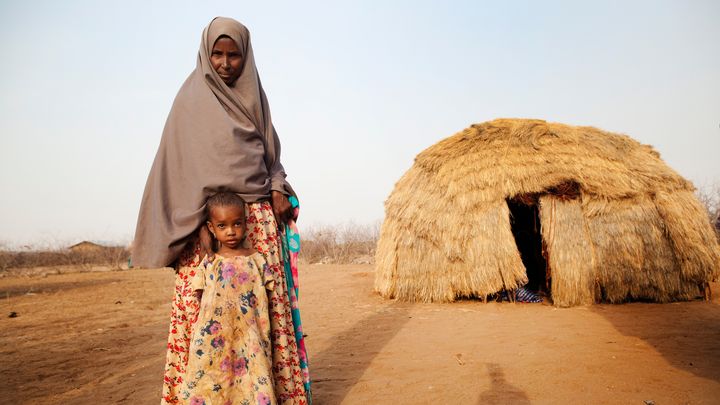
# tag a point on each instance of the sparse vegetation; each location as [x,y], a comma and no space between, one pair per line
[111,256]
[328,244]
[348,243]
[709,196]
[341,244]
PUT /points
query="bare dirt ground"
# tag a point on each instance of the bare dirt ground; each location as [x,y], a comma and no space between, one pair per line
[99,338]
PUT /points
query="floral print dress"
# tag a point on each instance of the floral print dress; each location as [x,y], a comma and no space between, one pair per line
[230,355]
[289,375]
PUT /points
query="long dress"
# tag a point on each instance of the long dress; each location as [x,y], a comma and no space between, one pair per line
[261,236]
[230,355]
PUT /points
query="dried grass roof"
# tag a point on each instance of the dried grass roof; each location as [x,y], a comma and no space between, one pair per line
[510,156]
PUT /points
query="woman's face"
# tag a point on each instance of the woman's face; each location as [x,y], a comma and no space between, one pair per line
[226,60]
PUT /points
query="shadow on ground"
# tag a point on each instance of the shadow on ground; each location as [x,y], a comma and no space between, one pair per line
[501,391]
[352,351]
[685,334]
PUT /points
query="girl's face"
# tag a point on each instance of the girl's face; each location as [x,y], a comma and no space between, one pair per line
[227,224]
[226,59]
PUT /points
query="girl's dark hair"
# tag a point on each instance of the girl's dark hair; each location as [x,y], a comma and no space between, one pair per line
[223,199]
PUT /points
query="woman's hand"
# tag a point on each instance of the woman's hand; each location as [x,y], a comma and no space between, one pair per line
[281,207]
[206,243]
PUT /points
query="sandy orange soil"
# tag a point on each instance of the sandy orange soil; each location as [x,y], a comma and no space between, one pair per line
[99,338]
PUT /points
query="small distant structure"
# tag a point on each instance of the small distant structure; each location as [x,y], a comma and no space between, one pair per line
[86,247]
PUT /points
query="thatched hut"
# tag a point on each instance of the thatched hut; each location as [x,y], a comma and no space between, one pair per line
[86,247]
[589,215]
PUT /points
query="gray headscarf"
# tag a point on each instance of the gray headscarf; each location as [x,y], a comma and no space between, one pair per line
[216,138]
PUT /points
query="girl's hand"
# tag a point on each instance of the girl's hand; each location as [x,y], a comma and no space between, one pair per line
[206,243]
[281,207]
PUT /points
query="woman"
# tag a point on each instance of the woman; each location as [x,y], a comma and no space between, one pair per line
[219,136]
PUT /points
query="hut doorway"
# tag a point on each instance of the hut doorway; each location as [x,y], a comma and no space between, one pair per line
[525,225]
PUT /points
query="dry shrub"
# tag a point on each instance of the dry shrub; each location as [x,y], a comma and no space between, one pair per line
[115,257]
[709,196]
[6,257]
[339,244]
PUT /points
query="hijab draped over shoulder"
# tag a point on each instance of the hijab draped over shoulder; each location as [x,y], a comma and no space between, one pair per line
[216,138]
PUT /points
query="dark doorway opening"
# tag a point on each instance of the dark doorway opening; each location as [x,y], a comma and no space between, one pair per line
[525,224]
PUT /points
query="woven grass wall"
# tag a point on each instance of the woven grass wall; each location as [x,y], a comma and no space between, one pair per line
[570,252]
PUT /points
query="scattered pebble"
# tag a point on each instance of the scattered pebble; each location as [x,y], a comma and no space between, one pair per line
[13,315]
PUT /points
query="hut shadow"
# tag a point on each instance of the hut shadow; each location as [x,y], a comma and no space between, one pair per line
[501,391]
[338,368]
[685,334]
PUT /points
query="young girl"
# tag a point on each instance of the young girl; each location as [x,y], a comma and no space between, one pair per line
[230,357]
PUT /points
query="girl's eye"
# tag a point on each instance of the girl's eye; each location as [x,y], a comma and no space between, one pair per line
[221,226]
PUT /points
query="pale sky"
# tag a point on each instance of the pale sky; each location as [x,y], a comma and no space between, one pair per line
[356,89]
